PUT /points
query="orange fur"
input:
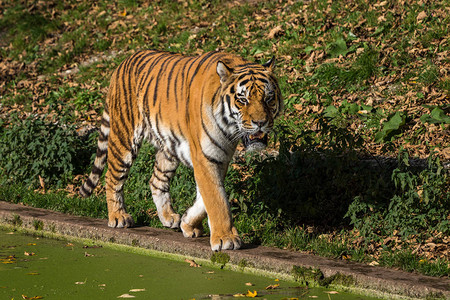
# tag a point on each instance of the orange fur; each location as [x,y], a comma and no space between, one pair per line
[194,110]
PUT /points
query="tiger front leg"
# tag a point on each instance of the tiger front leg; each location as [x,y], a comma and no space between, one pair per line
[209,177]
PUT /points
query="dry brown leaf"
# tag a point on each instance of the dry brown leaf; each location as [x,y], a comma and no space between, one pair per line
[272,286]
[42,182]
[192,263]
[275,31]
[126,296]
[422,15]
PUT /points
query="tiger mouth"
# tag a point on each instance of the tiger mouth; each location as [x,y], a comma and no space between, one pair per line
[259,138]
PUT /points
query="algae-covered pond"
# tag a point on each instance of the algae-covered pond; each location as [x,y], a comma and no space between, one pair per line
[40,268]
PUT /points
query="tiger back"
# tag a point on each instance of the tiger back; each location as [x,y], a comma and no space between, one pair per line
[194,110]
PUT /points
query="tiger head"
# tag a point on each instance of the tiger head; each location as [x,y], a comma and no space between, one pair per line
[252,100]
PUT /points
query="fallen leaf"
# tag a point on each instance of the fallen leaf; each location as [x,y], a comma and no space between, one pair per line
[33,273]
[239,295]
[192,263]
[136,290]
[422,15]
[251,294]
[80,282]
[126,296]
[332,292]
[31,298]
[249,284]
[87,254]
[41,182]
[31,244]
[29,253]
[275,31]
[272,286]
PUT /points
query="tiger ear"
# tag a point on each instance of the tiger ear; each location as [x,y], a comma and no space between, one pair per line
[224,71]
[270,64]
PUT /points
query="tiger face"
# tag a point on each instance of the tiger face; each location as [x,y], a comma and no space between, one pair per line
[253,99]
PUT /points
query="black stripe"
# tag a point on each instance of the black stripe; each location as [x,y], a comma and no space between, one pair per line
[243,82]
[161,70]
[89,184]
[218,57]
[169,78]
[130,89]
[150,71]
[177,140]
[156,127]
[161,179]
[189,86]
[84,192]
[146,103]
[215,96]
[123,135]
[199,65]
[115,153]
[101,152]
[214,141]
[102,137]
[165,171]
[120,178]
[104,122]
[211,159]
[96,170]
[139,64]
[136,57]
[158,188]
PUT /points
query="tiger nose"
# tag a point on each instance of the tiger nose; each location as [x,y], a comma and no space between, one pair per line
[259,123]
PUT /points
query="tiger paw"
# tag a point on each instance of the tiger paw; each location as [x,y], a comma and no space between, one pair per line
[190,231]
[120,219]
[230,241]
[171,220]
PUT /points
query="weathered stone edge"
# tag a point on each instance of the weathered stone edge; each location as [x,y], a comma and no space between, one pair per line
[387,282]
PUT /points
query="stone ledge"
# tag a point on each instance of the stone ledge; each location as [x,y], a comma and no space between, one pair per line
[395,283]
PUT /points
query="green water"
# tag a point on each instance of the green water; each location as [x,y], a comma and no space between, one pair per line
[55,269]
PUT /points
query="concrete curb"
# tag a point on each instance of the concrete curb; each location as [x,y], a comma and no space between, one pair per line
[382,281]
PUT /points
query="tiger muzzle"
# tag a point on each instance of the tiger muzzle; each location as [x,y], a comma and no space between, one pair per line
[256,141]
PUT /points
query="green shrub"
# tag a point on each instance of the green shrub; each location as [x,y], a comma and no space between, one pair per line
[35,147]
[420,203]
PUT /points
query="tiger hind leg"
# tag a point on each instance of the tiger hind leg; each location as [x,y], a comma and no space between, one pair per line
[164,170]
[120,160]
[191,222]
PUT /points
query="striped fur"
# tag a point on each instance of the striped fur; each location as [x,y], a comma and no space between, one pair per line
[194,110]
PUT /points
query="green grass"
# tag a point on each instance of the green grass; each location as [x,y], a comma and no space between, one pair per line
[367,81]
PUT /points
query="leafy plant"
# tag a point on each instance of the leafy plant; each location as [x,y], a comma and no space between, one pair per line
[419,203]
[437,115]
[391,127]
[36,147]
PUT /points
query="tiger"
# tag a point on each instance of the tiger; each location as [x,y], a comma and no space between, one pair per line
[194,110]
